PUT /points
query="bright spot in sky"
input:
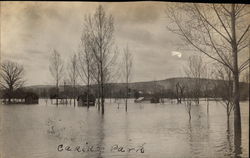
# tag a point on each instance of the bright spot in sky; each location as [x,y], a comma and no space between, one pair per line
[175,53]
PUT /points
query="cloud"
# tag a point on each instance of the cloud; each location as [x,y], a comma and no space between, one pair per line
[136,12]
[175,53]
[44,26]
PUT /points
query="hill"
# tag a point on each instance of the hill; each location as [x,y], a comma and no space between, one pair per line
[165,87]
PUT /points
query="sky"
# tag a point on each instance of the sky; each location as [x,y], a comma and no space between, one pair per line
[31,30]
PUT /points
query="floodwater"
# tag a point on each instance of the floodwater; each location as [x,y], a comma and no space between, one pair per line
[146,130]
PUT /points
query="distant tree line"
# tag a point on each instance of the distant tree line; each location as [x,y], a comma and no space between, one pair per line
[217,89]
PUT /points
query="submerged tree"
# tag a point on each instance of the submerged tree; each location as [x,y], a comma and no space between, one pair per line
[56,70]
[226,88]
[221,32]
[86,63]
[73,74]
[179,92]
[207,92]
[100,31]
[127,72]
[11,77]
[195,69]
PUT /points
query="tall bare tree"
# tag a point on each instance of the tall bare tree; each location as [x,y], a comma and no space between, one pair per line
[100,29]
[195,69]
[221,32]
[73,74]
[11,77]
[127,71]
[56,69]
[86,62]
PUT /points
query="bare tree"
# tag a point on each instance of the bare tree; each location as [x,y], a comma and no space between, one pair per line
[221,32]
[73,74]
[225,76]
[207,85]
[195,69]
[179,92]
[86,63]
[100,28]
[127,71]
[56,69]
[11,77]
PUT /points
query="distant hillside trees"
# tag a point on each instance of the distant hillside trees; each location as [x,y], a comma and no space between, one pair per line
[11,77]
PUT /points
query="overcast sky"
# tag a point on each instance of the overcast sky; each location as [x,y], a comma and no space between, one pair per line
[30,30]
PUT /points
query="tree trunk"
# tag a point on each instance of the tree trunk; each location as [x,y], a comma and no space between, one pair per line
[98,96]
[228,128]
[102,88]
[88,94]
[57,91]
[126,100]
[74,94]
[102,97]
[9,100]
[237,115]
[207,106]
[236,96]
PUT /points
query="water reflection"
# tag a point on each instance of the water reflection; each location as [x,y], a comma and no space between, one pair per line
[101,135]
[237,142]
[229,136]
[198,132]
[165,128]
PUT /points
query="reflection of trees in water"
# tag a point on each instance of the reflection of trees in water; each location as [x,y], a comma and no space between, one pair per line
[233,135]
[190,135]
[229,137]
[126,132]
[101,135]
[233,140]
[198,132]
[237,141]
[95,134]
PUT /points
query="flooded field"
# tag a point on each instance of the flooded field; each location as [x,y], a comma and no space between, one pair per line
[146,130]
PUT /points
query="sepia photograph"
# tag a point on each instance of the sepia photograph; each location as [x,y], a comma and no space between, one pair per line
[139,79]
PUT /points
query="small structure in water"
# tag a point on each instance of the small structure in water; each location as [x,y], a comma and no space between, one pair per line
[61,98]
[84,99]
[20,97]
[147,99]
[31,98]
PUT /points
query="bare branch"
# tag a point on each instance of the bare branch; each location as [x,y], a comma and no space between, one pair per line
[11,76]
[228,40]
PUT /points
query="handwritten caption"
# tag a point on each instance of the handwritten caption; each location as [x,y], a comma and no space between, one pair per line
[96,148]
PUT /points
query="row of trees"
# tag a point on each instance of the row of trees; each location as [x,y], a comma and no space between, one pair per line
[96,60]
